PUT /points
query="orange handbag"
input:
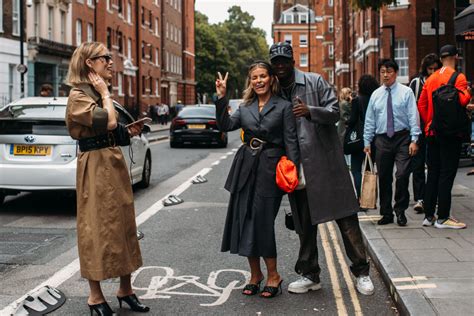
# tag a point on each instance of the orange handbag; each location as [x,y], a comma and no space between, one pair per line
[286,175]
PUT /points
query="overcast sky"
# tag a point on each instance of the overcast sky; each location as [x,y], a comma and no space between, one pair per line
[262,10]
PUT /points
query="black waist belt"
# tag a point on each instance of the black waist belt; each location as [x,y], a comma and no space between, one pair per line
[97,142]
[399,133]
[258,144]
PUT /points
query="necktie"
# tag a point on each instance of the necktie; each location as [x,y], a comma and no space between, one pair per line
[390,125]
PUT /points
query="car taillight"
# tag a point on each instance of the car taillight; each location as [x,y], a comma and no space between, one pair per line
[179,122]
[213,122]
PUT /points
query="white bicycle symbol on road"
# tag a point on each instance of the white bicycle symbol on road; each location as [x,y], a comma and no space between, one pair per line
[157,285]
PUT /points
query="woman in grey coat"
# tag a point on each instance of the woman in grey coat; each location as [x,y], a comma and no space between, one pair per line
[269,133]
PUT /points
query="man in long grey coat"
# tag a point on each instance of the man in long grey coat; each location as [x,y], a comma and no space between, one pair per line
[328,193]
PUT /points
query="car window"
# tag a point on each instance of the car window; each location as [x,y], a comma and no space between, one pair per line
[205,112]
[38,127]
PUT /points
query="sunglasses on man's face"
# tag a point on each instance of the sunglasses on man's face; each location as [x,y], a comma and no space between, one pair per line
[107,57]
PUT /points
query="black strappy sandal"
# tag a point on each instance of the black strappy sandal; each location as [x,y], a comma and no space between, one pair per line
[253,288]
[272,290]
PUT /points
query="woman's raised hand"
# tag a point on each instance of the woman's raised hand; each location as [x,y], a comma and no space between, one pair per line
[221,84]
[99,84]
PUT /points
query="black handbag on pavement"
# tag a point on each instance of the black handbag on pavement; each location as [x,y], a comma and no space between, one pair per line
[354,139]
[289,222]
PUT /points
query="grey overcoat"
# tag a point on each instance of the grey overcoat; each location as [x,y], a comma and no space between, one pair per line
[328,184]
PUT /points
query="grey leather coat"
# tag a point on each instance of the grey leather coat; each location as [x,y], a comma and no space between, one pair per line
[328,184]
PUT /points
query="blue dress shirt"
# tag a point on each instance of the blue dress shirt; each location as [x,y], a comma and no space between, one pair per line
[405,112]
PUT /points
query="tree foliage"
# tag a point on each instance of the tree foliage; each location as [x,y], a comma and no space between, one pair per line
[371,4]
[229,46]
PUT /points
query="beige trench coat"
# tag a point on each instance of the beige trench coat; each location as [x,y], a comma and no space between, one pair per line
[106,228]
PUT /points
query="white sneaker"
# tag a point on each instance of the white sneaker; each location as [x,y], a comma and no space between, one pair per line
[429,221]
[419,207]
[303,285]
[364,285]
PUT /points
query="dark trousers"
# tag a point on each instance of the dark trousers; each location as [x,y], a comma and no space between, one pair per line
[418,170]
[442,159]
[307,263]
[393,151]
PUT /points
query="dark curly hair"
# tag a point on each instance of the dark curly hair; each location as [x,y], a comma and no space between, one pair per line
[367,84]
[427,61]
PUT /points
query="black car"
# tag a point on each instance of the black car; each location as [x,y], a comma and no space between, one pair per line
[196,124]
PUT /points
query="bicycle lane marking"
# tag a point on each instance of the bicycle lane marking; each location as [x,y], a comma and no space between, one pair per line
[72,268]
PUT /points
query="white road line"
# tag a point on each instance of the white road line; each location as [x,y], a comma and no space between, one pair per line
[416,286]
[345,269]
[224,157]
[72,268]
[408,279]
[336,288]
[215,163]
[229,153]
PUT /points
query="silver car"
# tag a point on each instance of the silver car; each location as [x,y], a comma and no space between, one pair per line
[37,153]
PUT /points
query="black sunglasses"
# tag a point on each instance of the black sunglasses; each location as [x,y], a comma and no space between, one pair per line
[107,57]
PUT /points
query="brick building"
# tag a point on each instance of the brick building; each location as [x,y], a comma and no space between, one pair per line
[309,26]
[10,51]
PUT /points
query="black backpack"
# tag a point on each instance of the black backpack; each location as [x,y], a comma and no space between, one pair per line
[449,117]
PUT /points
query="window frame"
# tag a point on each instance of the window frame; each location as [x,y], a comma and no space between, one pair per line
[15,17]
[78,32]
[306,60]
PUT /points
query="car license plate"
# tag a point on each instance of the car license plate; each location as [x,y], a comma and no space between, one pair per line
[196,126]
[30,150]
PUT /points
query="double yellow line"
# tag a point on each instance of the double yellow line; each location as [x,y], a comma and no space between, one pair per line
[330,241]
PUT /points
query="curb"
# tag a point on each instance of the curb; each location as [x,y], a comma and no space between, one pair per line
[408,301]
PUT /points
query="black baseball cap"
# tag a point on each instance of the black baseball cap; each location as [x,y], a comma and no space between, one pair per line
[448,50]
[281,49]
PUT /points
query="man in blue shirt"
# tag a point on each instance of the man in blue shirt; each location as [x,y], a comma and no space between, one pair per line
[392,123]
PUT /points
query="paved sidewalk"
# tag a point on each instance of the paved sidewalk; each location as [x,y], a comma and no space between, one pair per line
[428,271]
[155,130]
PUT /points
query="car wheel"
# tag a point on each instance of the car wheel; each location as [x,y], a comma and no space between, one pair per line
[146,174]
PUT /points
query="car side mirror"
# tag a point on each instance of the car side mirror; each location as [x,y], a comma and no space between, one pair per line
[146,129]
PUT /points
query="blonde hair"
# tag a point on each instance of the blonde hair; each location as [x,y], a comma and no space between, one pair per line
[78,69]
[249,93]
[345,94]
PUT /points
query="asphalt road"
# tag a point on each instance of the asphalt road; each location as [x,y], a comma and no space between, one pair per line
[184,272]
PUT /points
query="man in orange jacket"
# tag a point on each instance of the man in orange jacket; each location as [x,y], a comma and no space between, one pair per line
[443,152]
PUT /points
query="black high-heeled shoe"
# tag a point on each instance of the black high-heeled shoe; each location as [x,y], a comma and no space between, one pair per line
[253,288]
[134,303]
[102,309]
[272,290]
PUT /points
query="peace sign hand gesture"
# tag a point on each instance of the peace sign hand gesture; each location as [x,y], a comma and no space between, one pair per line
[221,85]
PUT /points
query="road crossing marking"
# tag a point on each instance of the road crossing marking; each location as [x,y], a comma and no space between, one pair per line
[336,288]
[345,269]
[156,288]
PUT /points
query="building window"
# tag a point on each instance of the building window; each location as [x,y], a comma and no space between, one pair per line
[78,32]
[120,42]
[288,19]
[303,18]
[143,85]
[63,27]
[129,12]
[120,83]
[90,33]
[330,25]
[167,61]
[11,81]
[143,15]
[90,3]
[37,20]
[157,56]
[157,27]
[330,3]
[303,40]
[399,3]
[150,82]
[50,22]
[109,6]
[130,83]
[143,50]
[303,60]
[120,7]
[157,87]
[129,48]
[15,17]
[331,51]
[167,30]
[401,57]
[1,17]
[288,38]
[109,38]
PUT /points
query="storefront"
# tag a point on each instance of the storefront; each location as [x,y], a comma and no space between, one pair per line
[464,30]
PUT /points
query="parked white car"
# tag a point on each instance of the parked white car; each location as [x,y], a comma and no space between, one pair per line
[37,153]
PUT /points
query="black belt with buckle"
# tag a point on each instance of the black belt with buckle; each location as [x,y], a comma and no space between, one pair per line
[97,142]
[256,144]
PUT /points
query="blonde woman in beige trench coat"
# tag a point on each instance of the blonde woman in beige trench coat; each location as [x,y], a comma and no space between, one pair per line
[106,228]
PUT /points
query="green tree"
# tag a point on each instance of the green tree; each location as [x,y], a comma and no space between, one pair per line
[227,47]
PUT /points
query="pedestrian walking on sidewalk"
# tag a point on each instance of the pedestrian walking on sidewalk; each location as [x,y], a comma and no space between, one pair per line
[106,229]
[269,133]
[345,98]
[327,193]
[392,122]
[445,125]
[429,64]
[367,85]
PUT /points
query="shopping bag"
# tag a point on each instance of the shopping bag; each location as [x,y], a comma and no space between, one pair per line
[368,191]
